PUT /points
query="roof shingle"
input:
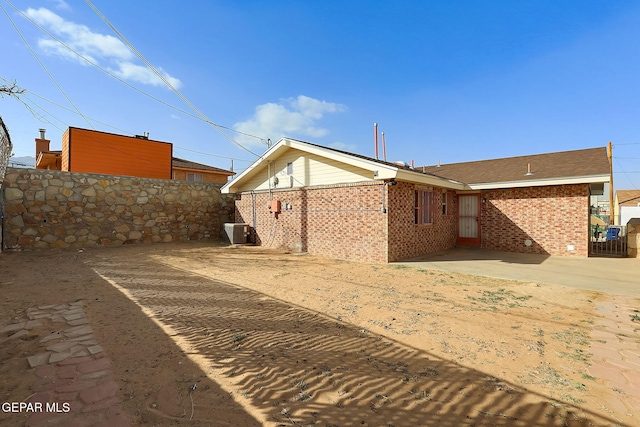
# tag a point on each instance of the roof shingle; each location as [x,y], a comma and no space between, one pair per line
[628,197]
[565,164]
[186,164]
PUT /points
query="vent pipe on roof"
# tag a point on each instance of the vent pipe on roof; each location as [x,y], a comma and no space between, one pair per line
[438,162]
[384,148]
[413,164]
[529,173]
[375,139]
[42,132]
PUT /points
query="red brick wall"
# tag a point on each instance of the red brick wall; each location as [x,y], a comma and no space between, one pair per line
[339,221]
[408,240]
[551,217]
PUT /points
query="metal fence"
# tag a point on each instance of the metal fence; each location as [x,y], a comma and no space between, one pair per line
[609,240]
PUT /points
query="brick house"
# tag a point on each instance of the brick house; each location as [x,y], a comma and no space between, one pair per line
[91,151]
[306,197]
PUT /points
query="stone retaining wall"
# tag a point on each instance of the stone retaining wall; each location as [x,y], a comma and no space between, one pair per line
[56,209]
[633,237]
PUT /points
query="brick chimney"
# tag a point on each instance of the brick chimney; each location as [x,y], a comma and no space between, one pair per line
[42,144]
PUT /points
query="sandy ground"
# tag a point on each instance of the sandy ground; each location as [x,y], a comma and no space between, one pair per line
[206,335]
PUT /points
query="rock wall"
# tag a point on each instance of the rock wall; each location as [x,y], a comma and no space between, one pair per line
[633,238]
[56,209]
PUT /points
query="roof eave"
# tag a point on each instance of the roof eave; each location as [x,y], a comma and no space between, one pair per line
[378,170]
[220,172]
[421,178]
[589,179]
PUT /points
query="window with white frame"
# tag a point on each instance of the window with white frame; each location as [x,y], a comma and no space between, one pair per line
[424,207]
[196,177]
[447,203]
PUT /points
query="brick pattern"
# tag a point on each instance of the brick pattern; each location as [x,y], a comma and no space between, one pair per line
[340,221]
[552,217]
[57,209]
[408,240]
[347,221]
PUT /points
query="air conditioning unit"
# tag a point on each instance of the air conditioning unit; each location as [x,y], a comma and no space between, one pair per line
[237,233]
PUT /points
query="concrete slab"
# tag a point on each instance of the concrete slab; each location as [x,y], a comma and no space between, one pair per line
[619,276]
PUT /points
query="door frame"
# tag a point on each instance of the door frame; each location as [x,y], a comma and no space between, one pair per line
[470,241]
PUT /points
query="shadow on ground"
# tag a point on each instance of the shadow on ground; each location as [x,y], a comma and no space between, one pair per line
[468,253]
[153,373]
[293,366]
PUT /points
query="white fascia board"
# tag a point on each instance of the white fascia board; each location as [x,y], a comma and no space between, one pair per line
[592,179]
[421,178]
[383,171]
[273,151]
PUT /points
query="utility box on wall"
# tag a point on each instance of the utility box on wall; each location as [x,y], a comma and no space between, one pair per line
[237,233]
[275,206]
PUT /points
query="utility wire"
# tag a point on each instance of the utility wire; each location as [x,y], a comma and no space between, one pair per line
[43,119]
[166,82]
[625,173]
[44,67]
[112,75]
[214,155]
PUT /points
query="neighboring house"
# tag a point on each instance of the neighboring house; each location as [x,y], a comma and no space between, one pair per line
[627,206]
[192,171]
[306,197]
[92,151]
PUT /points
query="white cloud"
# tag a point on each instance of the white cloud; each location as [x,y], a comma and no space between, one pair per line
[105,50]
[291,117]
[142,74]
[61,4]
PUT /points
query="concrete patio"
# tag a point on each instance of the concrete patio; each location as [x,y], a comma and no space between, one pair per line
[620,276]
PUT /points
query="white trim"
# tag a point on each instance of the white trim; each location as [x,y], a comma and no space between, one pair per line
[379,171]
[592,179]
[421,178]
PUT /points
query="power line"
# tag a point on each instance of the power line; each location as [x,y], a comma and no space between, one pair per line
[43,66]
[625,173]
[43,119]
[110,74]
[214,155]
[166,82]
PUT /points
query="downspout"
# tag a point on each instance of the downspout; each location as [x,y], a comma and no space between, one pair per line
[269,177]
[253,207]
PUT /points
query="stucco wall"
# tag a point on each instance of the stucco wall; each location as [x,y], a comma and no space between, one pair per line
[57,209]
[340,221]
[552,218]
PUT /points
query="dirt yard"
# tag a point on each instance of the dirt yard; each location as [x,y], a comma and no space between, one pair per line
[206,335]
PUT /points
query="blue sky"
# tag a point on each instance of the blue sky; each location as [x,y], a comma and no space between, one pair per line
[448,81]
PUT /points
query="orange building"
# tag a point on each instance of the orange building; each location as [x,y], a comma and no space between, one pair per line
[92,151]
